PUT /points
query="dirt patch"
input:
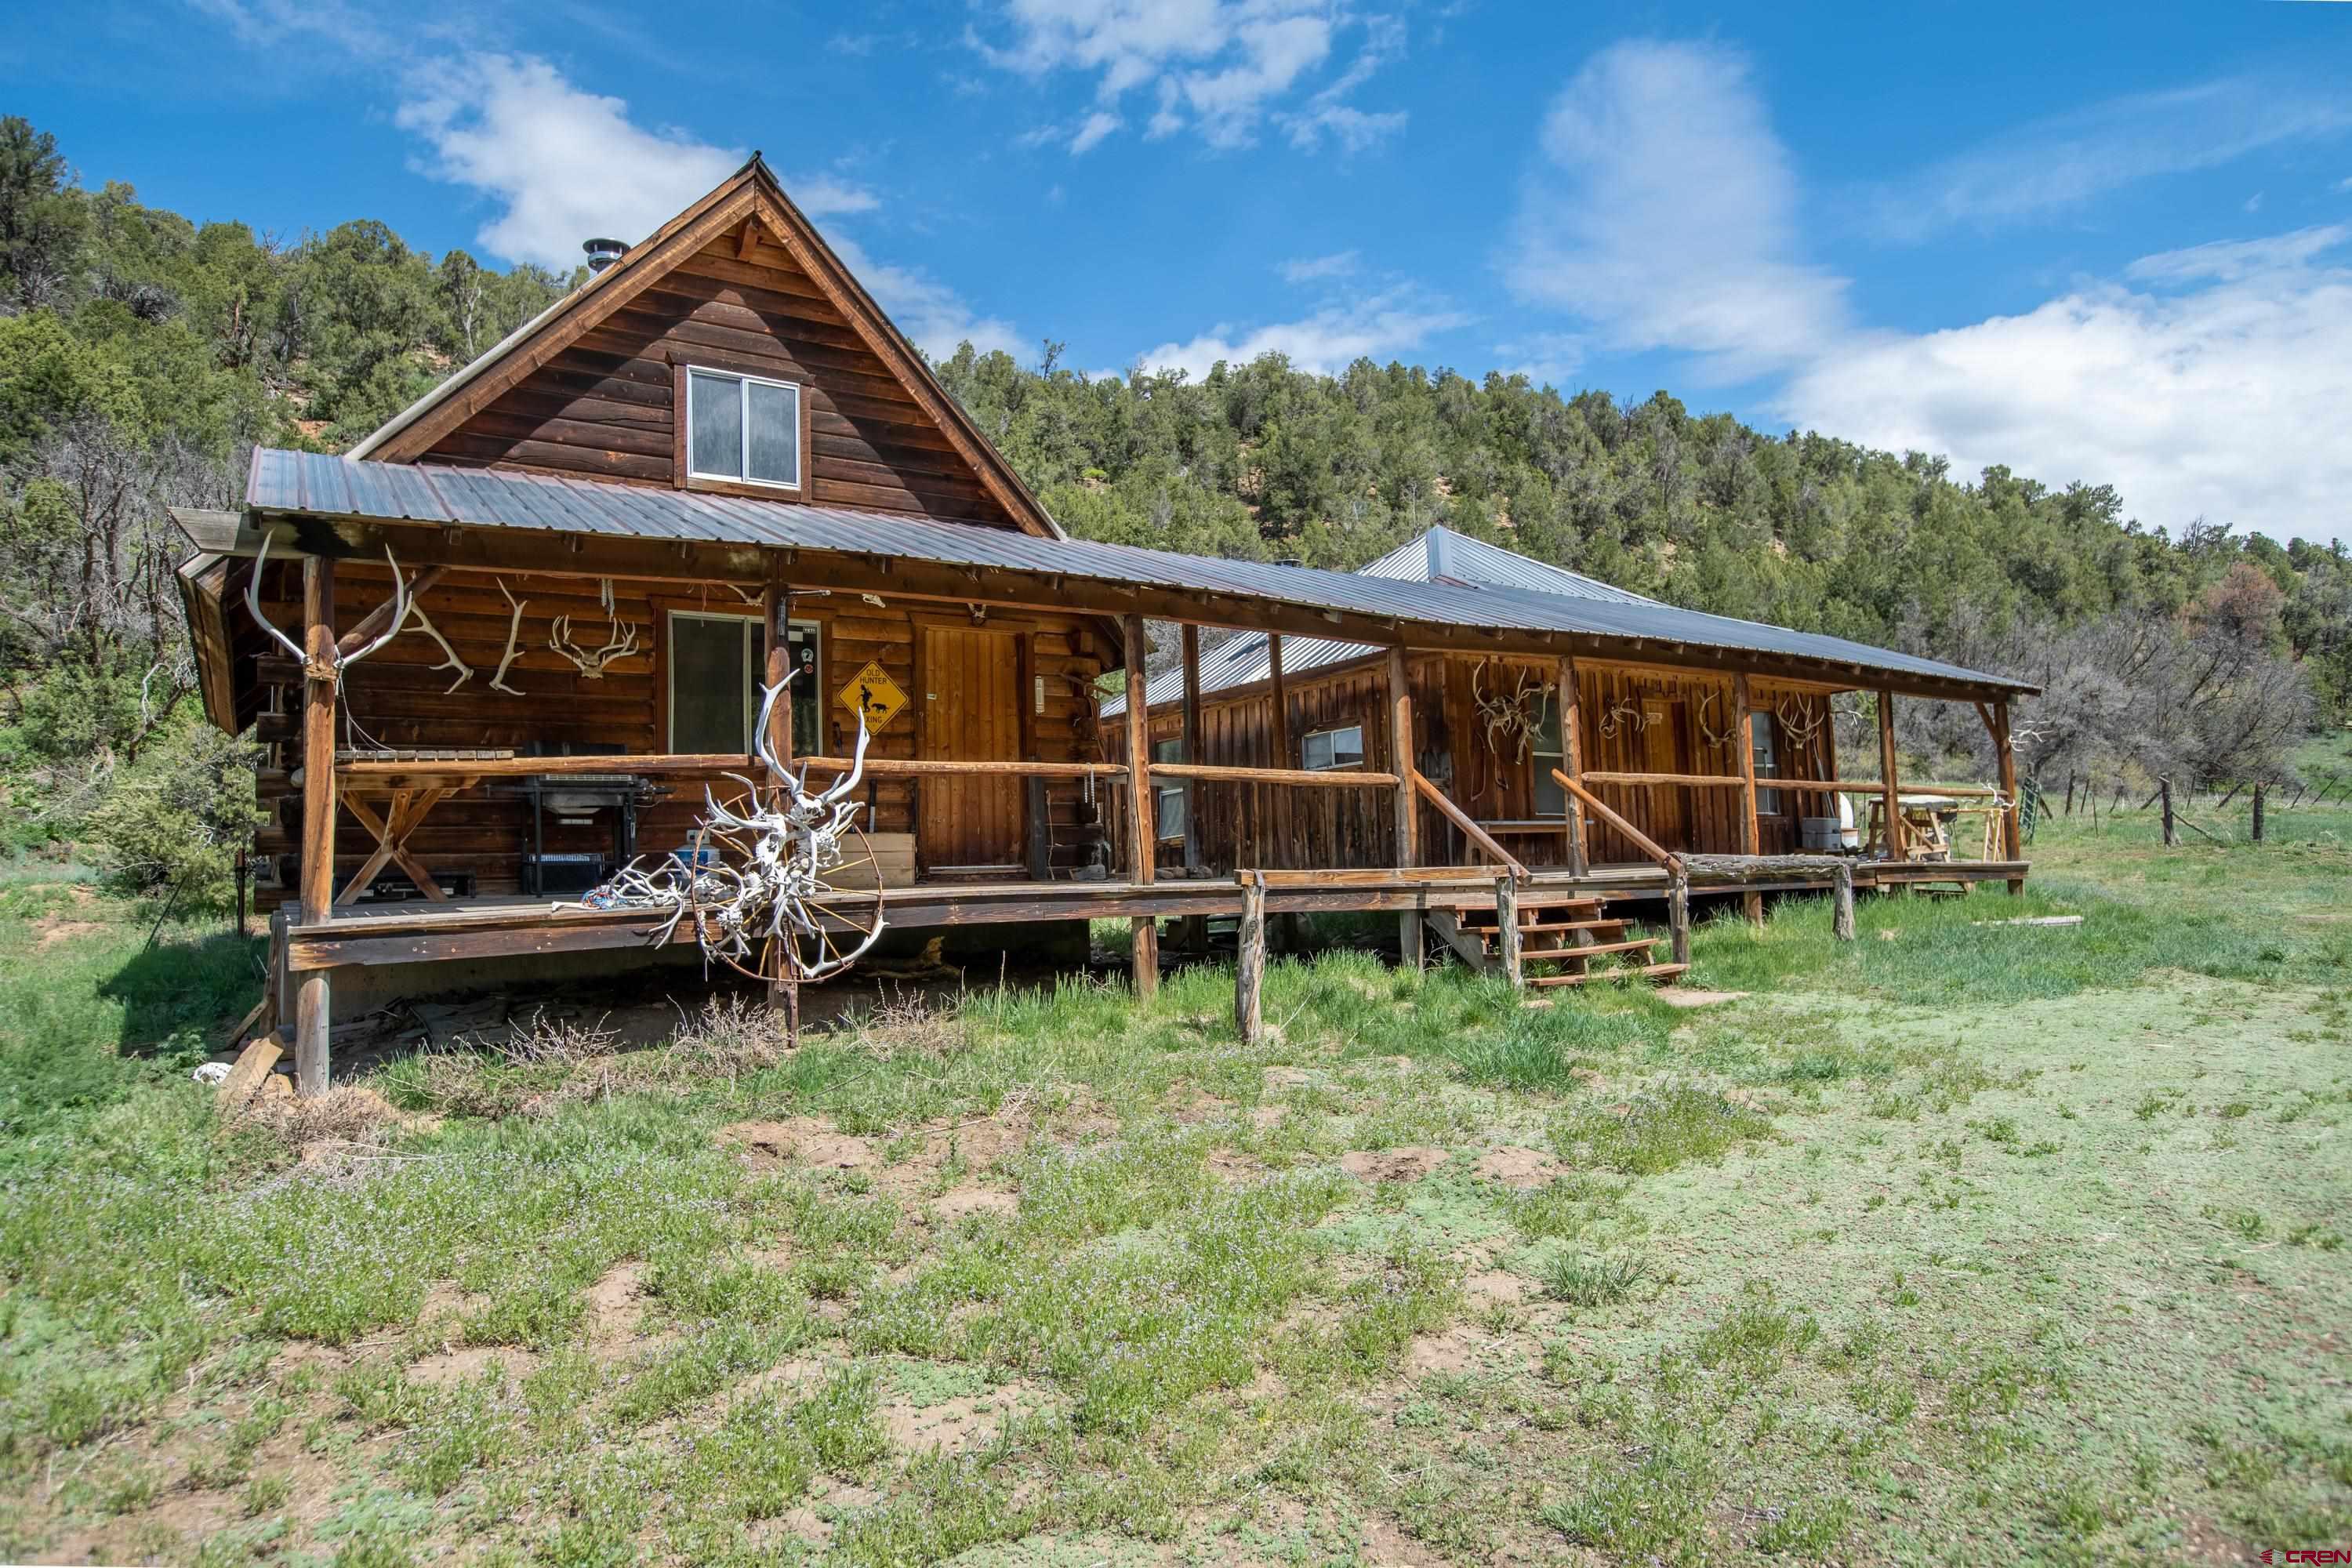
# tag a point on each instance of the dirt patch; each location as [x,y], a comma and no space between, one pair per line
[1233,1166]
[1495,1287]
[1408,1163]
[1280,1079]
[1457,1350]
[809,1143]
[952,1426]
[1386,1546]
[470,1361]
[1688,996]
[614,1304]
[1519,1167]
[54,932]
[958,1202]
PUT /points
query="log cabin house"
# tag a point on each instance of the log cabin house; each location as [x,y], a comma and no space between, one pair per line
[717,462]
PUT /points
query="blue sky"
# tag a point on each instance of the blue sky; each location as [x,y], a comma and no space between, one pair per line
[2113,245]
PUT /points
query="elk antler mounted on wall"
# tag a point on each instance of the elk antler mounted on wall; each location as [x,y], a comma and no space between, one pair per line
[336,661]
[514,630]
[620,640]
[1800,720]
[1513,718]
[1715,739]
[1621,716]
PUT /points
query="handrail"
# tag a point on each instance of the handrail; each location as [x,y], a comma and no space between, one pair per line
[1221,773]
[706,762]
[1460,819]
[1641,840]
[1692,781]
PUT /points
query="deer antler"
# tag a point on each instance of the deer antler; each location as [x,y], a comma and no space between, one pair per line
[1714,738]
[514,628]
[1798,722]
[333,665]
[620,642]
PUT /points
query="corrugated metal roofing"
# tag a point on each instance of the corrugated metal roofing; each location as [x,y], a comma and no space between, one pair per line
[282,481]
[1440,555]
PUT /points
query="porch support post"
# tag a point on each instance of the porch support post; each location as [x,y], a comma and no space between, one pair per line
[775,630]
[1140,831]
[1278,796]
[1507,935]
[1195,935]
[1751,833]
[1407,806]
[1889,789]
[313,1008]
[1571,762]
[1249,959]
[2012,837]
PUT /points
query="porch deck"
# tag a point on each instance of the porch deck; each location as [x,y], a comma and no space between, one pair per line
[500,925]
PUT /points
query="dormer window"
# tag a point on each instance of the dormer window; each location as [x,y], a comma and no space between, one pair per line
[742,429]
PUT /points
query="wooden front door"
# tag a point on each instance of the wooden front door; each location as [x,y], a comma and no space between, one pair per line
[971,713]
[1662,752]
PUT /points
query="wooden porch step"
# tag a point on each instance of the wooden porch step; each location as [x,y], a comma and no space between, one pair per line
[1597,949]
[1571,925]
[1658,971]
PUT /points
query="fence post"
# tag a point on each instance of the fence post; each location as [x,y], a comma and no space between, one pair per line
[1249,959]
[1841,902]
[1678,914]
[2258,812]
[2163,794]
[1507,930]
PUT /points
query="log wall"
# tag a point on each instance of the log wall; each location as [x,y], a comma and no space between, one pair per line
[395,699]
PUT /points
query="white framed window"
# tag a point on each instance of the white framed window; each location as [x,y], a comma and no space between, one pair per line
[716,664]
[1170,796]
[1320,751]
[1766,750]
[1545,753]
[745,428]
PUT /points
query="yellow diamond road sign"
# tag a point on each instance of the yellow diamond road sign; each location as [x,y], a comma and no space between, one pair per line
[874,694]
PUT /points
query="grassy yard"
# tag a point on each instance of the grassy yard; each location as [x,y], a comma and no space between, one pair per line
[1963,1242]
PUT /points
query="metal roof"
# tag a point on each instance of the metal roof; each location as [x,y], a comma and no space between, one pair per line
[296,482]
[1440,555]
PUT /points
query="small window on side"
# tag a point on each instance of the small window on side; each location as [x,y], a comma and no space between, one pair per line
[1169,797]
[1545,750]
[1767,753]
[744,428]
[1323,750]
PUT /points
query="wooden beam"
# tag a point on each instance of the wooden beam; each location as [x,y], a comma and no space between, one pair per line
[2012,836]
[1407,806]
[1507,935]
[1693,781]
[1142,832]
[1312,778]
[523,551]
[1890,790]
[776,623]
[1607,814]
[1841,902]
[373,623]
[1571,760]
[1191,636]
[1751,832]
[312,1006]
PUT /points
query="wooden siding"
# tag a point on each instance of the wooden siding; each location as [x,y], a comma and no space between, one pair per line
[602,407]
[1274,827]
[395,699]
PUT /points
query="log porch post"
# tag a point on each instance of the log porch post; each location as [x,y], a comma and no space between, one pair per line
[1249,959]
[2012,837]
[1890,793]
[1571,762]
[1195,933]
[775,628]
[1408,806]
[1140,832]
[1751,833]
[312,1005]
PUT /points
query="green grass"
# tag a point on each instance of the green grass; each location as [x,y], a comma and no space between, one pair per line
[1961,1242]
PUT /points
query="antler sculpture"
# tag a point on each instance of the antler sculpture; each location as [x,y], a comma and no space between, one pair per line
[335,660]
[1515,718]
[789,842]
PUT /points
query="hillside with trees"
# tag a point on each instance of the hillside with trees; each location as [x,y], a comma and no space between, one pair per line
[141,355]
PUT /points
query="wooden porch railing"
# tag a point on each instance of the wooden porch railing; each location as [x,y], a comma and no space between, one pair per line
[1479,837]
[1677,879]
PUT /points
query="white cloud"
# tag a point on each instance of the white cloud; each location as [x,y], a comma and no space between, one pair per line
[1216,67]
[564,164]
[1379,326]
[2064,161]
[1664,212]
[1315,269]
[2216,389]
[1542,357]
[1097,125]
